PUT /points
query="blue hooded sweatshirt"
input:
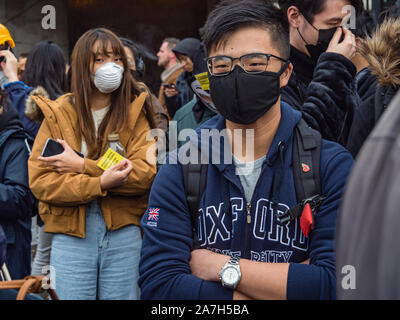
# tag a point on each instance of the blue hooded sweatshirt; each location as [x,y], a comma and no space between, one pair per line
[164,266]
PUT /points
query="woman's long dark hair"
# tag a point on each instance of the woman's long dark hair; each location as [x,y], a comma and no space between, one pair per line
[46,67]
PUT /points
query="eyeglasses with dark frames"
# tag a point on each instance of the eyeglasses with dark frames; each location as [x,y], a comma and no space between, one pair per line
[252,63]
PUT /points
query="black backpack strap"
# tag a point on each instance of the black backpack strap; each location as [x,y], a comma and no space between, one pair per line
[306,161]
[194,181]
[306,171]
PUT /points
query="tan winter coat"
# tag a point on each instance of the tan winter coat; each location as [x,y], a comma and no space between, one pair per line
[63,197]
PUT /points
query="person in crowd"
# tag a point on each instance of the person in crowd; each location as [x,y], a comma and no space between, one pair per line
[382,52]
[242,251]
[45,75]
[138,68]
[23,57]
[190,54]
[6,43]
[368,228]
[201,108]
[172,68]
[322,82]
[196,112]
[16,200]
[93,214]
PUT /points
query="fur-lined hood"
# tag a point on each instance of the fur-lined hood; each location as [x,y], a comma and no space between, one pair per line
[382,52]
[32,110]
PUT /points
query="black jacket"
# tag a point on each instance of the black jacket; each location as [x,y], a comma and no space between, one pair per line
[365,83]
[325,93]
[195,50]
[364,117]
[382,53]
[16,199]
[368,115]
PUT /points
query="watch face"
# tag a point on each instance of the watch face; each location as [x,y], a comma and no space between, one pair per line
[230,276]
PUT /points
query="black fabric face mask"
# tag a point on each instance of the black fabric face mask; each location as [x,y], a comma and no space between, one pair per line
[324,38]
[244,98]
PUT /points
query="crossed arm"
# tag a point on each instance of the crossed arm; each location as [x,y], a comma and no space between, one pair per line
[260,280]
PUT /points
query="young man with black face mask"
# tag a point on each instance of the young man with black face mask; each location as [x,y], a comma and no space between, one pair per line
[239,250]
[321,85]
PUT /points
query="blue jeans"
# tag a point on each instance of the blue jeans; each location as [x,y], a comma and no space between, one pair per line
[104,265]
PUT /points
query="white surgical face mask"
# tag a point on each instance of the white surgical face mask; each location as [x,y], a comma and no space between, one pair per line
[108,77]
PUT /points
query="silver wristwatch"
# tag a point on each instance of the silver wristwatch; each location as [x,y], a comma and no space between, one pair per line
[230,274]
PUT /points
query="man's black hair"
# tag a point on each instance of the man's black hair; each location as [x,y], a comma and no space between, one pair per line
[230,16]
[310,8]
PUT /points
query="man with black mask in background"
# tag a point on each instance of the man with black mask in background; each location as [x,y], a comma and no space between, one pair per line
[321,52]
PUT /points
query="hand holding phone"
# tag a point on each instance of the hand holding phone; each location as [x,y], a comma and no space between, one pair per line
[61,157]
[53,148]
[170,90]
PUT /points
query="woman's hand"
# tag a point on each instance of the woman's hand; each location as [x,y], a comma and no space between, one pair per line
[10,65]
[66,162]
[116,176]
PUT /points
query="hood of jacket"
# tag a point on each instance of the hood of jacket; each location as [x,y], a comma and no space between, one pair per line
[195,50]
[32,110]
[382,52]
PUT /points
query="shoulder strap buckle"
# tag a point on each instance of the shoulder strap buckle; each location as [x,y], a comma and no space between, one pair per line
[296,211]
[290,214]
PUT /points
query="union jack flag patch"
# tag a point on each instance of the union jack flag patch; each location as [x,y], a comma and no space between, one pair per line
[153,216]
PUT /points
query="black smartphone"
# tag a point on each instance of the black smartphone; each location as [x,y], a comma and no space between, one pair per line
[169,86]
[53,148]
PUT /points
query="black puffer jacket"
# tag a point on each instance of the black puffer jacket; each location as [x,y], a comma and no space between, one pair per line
[382,52]
[325,93]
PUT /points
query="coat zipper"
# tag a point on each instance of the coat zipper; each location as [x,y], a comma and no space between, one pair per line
[246,239]
[248,208]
